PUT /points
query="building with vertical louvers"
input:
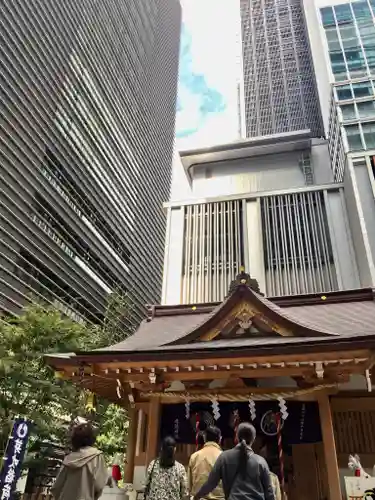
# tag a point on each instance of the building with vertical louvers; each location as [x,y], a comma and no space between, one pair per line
[271,205]
[280,88]
[88,92]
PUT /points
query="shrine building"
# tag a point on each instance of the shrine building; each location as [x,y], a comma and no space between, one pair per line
[298,367]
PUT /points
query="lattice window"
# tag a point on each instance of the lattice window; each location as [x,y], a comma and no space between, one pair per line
[213,250]
[297,248]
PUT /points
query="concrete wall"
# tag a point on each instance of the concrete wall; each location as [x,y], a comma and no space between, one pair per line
[341,240]
[181,187]
[259,174]
[319,52]
[361,211]
[174,246]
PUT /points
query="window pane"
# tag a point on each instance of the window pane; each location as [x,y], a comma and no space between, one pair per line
[348,112]
[354,137]
[370,54]
[336,58]
[341,77]
[362,89]
[362,11]
[327,16]
[369,134]
[331,34]
[347,31]
[356,63]
[343,13]
[366,109]
[344,92]
[367,29]
[349,37]
[334,45]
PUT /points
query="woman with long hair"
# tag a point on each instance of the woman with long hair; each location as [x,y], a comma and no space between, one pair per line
[245,475]
[166,478]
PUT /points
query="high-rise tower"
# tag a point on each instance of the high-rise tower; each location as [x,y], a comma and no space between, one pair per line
[279,80]
[87,107]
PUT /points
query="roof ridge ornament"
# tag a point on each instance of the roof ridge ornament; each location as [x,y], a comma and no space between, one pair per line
[244,279]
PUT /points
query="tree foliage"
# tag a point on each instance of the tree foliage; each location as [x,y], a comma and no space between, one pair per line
[118,318]
[28,386]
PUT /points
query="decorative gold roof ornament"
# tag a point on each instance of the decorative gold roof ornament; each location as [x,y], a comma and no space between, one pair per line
[243,279]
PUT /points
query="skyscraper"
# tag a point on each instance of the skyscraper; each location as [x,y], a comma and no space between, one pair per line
[88,94]
[349,35]
[280,88]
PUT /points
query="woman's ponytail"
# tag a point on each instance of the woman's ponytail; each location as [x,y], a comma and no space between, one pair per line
[244,455]
[246,434]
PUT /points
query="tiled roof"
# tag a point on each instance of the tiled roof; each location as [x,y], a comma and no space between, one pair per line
[169,324]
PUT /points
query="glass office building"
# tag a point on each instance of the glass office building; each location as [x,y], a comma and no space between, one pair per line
[87,116]
[350,36]
[350,33]
[280,90]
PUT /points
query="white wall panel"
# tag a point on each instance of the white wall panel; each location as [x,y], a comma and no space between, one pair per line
[341,238]
[358,226]
[173,257]
[255,264]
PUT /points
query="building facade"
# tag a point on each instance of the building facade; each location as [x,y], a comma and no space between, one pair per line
[280,90]
[348,32]
[272,206]
[87,128]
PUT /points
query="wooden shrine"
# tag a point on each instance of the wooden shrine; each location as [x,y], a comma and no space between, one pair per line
[313,351]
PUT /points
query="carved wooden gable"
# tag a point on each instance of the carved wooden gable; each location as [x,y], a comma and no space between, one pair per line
[246,313]
[245,320]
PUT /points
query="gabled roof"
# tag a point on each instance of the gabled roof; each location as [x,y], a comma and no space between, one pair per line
[336,315]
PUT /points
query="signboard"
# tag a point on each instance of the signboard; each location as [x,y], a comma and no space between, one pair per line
[360,488]
[14,455]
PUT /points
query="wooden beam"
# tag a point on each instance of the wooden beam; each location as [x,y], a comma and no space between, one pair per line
[130,450]
[153,429]
[329,445]
[240,390]
[280,358]
[353,404]
[211,374]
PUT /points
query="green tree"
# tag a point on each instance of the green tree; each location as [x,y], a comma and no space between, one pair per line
[118,324]
[28,386]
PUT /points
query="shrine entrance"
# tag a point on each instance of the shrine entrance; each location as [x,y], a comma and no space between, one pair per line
[292,446]
[248,358]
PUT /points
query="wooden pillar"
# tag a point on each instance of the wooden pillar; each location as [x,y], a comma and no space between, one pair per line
[329,446]
[131,444]
[153,429]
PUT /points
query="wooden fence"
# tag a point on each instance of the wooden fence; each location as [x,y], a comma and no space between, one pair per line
[354,428]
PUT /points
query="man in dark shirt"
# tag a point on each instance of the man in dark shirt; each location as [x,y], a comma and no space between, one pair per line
[244,475]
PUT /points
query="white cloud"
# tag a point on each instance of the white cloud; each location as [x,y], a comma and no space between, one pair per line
[213,26]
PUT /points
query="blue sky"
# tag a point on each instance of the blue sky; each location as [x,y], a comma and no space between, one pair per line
[206,105]
[194,90]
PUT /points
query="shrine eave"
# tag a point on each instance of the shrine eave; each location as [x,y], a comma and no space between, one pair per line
[300,347]
[207,327]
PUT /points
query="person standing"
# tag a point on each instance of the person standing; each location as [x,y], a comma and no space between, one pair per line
[201,440]
[245,475]
[166,478]
[276,486]
[202,462]
[263,452]
[83,474]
